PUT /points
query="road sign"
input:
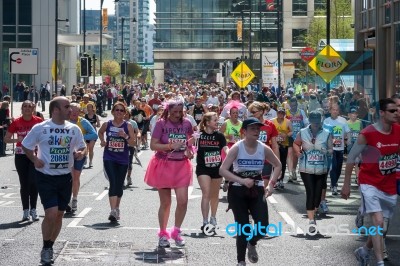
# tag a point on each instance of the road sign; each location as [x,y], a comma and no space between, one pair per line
[242,75]
[23,60]
[307,54]
[328,64]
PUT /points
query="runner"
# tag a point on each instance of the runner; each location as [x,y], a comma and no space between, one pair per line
[211,143]
[170,168]
[198,110]
[94,120]
[284,127]
[119,134]
[246,190]
[58,143]
[355,127]
[132,150]
[231,127]
[379,146]
[25,168]
[313,146]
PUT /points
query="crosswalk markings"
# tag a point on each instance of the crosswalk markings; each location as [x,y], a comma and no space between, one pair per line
[290,221]
[79,217]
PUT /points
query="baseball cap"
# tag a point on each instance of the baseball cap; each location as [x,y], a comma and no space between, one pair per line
[281,109]
[353,110]
[86,95]
[315,117]
[251,121]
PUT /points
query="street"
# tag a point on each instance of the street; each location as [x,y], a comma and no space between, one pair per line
[87,238]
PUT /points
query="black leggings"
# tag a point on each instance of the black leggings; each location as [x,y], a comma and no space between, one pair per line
[313,184]
[283,152]
[115,173]
[241,203]
[28,189]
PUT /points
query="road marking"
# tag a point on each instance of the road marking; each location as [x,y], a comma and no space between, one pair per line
[88,194]
[289,221]
[79,218]
[272,200]
[101,196]
[8,196]
[6,203]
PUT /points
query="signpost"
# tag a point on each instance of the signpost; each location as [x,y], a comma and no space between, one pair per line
[307,54]
[328,64]
[23,60]
[242,75]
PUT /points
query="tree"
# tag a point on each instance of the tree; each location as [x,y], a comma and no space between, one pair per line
[111,68]
[134,70]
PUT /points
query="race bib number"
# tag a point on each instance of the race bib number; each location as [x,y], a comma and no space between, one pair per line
[177,138]
[116,144]
[198,117]
[315,157]
[354,136]
[337,141]
[387,164]
[279,138]
[59,158]
[263,136]
[212,159]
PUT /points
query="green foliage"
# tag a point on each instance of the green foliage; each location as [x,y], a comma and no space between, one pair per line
[134,70]
[111,68]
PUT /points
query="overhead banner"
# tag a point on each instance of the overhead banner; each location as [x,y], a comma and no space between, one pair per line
[239,29]
[105,19]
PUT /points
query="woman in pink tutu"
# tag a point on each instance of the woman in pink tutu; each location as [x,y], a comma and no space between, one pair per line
[170,168]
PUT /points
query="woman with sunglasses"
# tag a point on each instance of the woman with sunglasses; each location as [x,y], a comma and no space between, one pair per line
[246,190]
[119,135]
[313,146]
[268,134]
[25,168]
[170,168]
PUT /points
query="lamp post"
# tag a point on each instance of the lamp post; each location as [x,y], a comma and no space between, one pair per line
[279,42]
[101,35]
[56,47]
[122,40]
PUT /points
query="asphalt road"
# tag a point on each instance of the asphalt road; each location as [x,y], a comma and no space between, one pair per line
[87,238]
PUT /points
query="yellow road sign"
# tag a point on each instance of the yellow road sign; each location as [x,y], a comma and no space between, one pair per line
[242,75]
[328,64]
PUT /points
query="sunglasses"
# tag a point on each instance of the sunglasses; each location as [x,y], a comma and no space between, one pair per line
[391,111]
[119,110]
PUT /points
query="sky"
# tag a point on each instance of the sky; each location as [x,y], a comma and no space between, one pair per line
[95,5]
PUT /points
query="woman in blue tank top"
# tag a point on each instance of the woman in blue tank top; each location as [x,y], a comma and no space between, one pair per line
[246,188]
[119,134]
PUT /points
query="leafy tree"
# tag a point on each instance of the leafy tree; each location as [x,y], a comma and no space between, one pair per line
[134,70]
[111,68]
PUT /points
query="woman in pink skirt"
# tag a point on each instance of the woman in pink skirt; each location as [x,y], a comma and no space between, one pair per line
[170,168]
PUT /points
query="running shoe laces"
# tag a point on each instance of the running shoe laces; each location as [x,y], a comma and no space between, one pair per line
[25,216]
[176,235]
[163,239]
[34,215]
[74,205]
[46,255]
[361,256]
[113,216]
[252,254]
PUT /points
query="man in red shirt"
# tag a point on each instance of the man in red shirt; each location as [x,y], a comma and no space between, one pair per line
[155,102]
[379,146]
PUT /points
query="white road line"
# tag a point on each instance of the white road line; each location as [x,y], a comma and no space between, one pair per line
[8,196]
[6,203]
[101,196]
[79,218]
[272,200]
[289,221]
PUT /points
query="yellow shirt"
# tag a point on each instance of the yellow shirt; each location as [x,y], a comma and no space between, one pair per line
[282,128]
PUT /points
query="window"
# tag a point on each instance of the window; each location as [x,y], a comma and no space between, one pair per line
[320,7]
[397,47]
[298,37]
[299,8]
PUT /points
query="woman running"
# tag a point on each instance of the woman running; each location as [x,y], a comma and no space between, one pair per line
[246,191]
[210,146]
[25,168]
[94,120]
[170,168]
[119,134]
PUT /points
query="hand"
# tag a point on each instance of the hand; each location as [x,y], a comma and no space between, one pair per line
[122,133]
[248,182]
[189,153]
[20,139]
[345,192]
[269,190]
[102,143]
[298,154]
[196,134]
[79,155]
[176,146]
[38,163]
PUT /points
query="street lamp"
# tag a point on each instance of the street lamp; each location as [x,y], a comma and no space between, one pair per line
[56,47]
[133,20]
[279,37]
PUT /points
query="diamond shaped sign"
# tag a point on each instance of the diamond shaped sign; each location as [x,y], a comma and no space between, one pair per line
[242,75]
[328,63]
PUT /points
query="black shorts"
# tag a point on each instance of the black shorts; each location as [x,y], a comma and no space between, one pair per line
[213,173]
[267,170]
[291,140]
[146,126]
[54,190]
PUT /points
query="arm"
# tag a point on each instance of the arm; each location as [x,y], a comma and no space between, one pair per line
[8,138]
[290,133]
[36,161]
[131,136]
[275,146]
[102,130]
[91,133]
[297,145]
[356,150]
[97,121]
[274,161]
[226,164]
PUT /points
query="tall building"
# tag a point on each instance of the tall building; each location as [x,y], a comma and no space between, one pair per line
[194,38]
[377,27]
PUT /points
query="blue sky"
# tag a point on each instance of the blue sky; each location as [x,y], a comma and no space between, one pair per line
[95,5]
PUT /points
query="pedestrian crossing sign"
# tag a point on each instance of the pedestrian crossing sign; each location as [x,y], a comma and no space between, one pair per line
[242,75]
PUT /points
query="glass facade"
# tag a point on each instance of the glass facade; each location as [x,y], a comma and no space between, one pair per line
[397,47]
[298,37]
[299,7]
[17,33]
[320,7]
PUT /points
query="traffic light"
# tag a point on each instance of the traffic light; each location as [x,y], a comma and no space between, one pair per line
[123,67]
[85,67]
[89,66]
[224,65]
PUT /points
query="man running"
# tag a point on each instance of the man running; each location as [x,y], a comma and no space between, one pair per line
[379,146]
[59,142]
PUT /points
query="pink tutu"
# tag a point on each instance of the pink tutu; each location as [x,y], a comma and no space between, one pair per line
[163,173]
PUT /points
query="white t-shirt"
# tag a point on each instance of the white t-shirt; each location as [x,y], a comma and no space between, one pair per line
[270,115]
[153,122]
[56,145]
[191,119]
[212,100]
[338,128]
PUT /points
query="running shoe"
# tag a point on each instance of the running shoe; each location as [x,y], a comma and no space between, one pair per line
[46,256]
[25,216]
[34,215]
[361,256]
[281,185]
[252,253]
[225,187]
[334,191]
[213,221]
[74,205]
[312,227]
[290,177]
[385,251]
[242,263]
[163,242]
[113,216]
[90,164]
[176,235]
[68,209]
[129,181]
[118,212]
[294,175]
[359,219]
[324,207]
